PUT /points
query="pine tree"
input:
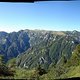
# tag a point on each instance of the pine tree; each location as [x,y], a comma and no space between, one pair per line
[4,70]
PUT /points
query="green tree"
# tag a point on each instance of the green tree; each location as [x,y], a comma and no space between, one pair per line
[4,70]
[11,63]
[78,48]
[41,71]
[1,59]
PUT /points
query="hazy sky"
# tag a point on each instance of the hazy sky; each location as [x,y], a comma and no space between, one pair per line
[56,15]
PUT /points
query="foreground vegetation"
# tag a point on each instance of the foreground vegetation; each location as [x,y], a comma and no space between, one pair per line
[63,69]
[11,71]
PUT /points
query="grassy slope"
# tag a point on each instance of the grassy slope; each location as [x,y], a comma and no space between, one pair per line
[74,71]
[24,74]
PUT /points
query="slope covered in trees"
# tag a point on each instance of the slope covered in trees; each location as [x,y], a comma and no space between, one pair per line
[70,69]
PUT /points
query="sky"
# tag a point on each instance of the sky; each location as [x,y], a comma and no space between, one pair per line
[53,15]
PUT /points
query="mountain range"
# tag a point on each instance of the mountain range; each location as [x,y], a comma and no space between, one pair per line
[34,47]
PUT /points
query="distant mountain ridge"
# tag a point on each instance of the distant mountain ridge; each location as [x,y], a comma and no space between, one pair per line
[12,44]
[32,47]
